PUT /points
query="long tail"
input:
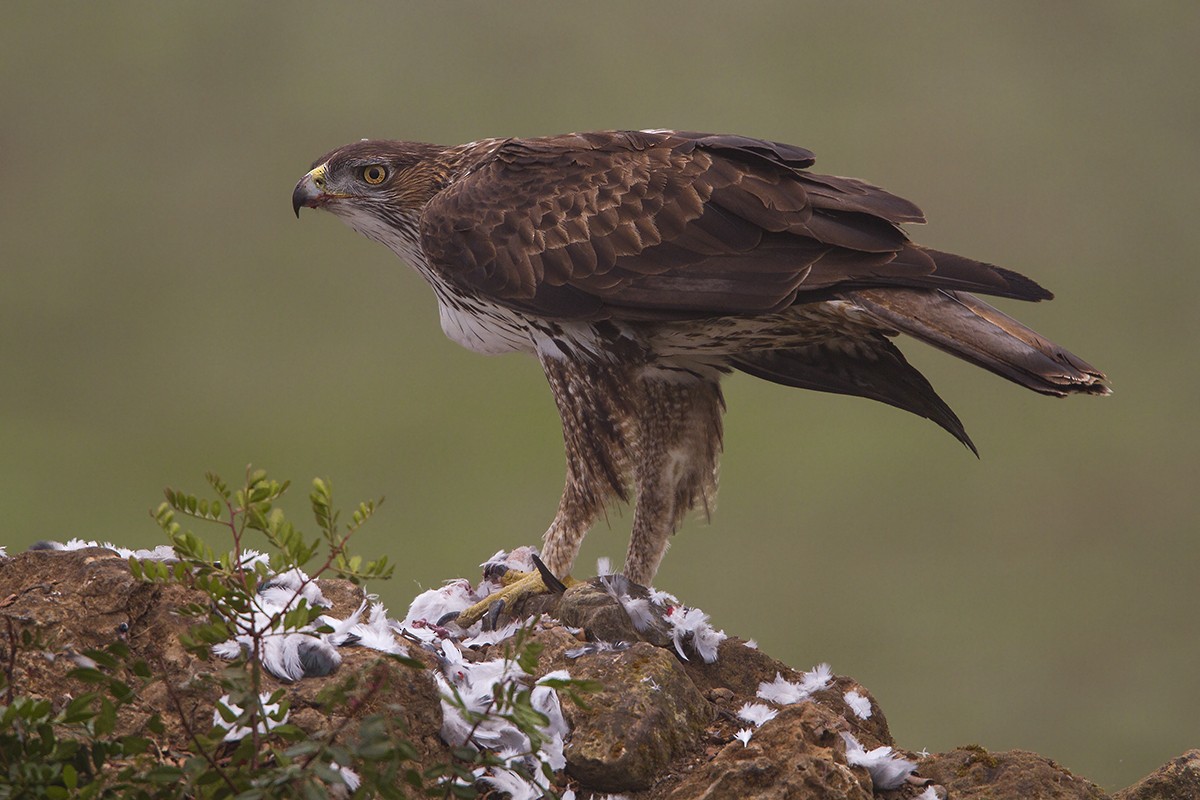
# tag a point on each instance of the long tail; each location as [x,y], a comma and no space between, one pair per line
[967,327]
[956,322]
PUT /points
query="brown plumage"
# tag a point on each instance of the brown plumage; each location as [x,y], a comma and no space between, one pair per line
[640,266]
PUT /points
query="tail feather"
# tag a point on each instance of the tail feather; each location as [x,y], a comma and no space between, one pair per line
[969,328]
[872,367]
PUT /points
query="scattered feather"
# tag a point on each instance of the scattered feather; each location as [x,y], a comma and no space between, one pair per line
[817,678]
[604,566]
[636,608]
[592,648]
[292,656]
[744,735]
[660,598]
[73,544]
[861,706]
[284,588]
[512,784]
[342,630]
[288,653]
[228,650]
[691,625]
[430,606]
[930,793]
[751,643]
[499,635]
[888,771]
[756,713]
[163,552]
[349,777]
[781,691]
[268,718]
[785,692]
[250,558]
[376,633]
[477,684]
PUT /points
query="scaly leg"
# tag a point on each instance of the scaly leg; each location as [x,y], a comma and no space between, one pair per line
[560,546]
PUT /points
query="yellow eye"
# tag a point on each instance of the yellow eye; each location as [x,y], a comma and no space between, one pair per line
[374,174]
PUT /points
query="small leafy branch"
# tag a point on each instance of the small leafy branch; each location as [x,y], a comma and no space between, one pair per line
[75,751]
[273,758]
[88,748]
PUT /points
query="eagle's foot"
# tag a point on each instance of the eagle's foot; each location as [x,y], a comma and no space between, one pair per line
[517,586]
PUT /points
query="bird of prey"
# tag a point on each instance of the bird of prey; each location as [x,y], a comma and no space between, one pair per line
[639,267]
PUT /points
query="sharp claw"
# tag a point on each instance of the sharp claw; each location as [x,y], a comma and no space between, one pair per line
[553,584]
[494,572]
[492,617]
[447,618]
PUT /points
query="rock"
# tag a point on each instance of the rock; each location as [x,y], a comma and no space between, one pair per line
[648,715]
[1178,779]
[587,605]
[972,772]
[661,728]
[797,756]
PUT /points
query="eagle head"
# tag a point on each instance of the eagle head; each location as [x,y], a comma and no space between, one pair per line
[377,187]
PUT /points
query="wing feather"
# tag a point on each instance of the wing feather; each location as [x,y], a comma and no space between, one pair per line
[639,225]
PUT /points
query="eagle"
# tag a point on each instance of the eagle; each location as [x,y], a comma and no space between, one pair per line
[641,267]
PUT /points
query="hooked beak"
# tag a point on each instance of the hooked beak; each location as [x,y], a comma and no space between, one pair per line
[310,191]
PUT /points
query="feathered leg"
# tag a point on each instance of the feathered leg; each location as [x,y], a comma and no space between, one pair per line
[598,419]
[679,445]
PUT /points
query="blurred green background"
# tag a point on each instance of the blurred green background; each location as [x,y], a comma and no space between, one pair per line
[163,314]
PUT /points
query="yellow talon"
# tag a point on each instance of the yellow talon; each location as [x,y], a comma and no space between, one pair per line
[517,586]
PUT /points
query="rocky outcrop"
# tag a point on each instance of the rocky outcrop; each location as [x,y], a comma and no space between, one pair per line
[664,726]
[1178,779]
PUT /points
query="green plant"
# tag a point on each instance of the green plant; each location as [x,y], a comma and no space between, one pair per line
[81,750]
[72,751]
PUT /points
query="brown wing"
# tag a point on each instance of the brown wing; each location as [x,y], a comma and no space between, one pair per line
[662,225]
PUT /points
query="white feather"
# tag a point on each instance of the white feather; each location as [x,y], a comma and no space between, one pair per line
[888,771]
[744,735]
[283,589]
[348,776]
[756,714]
[431,605]
[499,635]
[691,624]
[267,719]
[660,598]
[375,633]
[861,706]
